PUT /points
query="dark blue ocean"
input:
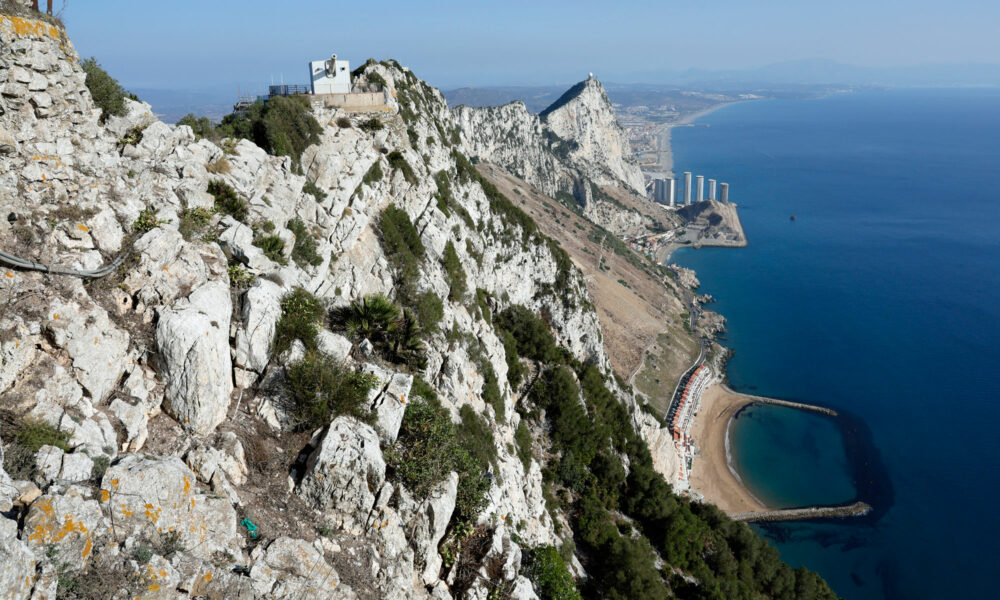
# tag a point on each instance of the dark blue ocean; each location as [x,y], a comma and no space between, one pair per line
[881,300]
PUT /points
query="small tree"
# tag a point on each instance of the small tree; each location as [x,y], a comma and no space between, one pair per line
[108,94]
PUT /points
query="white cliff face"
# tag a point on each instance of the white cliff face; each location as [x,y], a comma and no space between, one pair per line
[585,115]
[571,146]
[148,358]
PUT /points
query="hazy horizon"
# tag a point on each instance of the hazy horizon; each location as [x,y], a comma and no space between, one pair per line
[202,47]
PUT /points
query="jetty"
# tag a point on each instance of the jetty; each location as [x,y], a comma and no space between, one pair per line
[856,509]
[787,403]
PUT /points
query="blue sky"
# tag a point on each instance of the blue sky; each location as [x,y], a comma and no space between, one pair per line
[188,44]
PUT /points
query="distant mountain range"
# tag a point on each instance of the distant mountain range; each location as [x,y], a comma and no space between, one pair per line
[829,72]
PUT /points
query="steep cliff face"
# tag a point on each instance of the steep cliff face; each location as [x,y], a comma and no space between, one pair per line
[176,346]
[585,115]
[202,420]
[567,150]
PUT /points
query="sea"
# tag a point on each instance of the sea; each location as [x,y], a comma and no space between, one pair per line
[881,299]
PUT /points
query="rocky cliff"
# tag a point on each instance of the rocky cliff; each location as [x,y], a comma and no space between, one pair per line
[568,151]
[166,353]
[186,411]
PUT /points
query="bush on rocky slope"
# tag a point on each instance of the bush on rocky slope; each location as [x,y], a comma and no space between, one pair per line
[108,94]
[283,126]
[321,388]
[301,313]
[430,446]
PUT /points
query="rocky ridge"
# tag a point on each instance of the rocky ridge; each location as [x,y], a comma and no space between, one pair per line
[569,150]
[144,369]
[149,447]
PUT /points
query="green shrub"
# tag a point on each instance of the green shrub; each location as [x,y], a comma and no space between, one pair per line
[522,437]
[300,315]
[398,161]
[395,333]
[273,247]
[304,251]
[321,388]
[429,310]
[368,318]
[374,174]
[371,124]
[193,221]
[428,448]
[201,126]
[455,272]
[146,222]
[27,437]
[534,340]
[227,201]
[239,277]
[108,94]
[515,368]
[547,570]
[403,248]
[312,189]
[491,393]
[283,126]
[343,122]
[477,436]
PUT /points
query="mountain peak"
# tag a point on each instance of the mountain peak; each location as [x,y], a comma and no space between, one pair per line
[587,87]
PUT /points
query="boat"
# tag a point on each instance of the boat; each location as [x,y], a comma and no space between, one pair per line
[791,218]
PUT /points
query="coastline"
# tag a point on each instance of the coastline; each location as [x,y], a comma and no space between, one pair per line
[712,472]
[666,150]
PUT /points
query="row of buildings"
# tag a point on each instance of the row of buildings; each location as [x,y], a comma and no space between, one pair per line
[665,190]
[680,416]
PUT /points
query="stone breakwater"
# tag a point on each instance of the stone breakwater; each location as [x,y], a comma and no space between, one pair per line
[786,403]
[856,509]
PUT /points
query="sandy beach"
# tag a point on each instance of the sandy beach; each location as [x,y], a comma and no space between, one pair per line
[710,474]
[666,153]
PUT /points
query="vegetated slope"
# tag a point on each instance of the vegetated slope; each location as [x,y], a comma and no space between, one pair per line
[353,370]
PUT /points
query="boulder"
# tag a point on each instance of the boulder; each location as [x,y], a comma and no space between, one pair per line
[193,340]
[17,564]
[388,400]
[150,495]
[97,347]
[429,526]
[292,568]
[71,523]
[344,474]
[260,314]
[225,456]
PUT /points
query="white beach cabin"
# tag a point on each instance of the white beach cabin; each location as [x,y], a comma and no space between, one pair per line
[330,76]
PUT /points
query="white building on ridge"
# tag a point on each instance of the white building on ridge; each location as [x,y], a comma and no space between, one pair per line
[330,76]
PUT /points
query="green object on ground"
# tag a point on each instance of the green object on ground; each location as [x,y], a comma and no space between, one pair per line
[251,528]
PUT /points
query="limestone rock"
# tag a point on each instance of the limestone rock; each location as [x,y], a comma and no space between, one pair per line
[225,456]
[429,527]
[72,523]
[96,346]
[17,564]
[344,473]
[260,314]
[292,568]
[193,340]
[160,494]
[388,400]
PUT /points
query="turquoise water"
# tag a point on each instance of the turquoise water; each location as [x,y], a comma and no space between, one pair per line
[807,447]
[881,300]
